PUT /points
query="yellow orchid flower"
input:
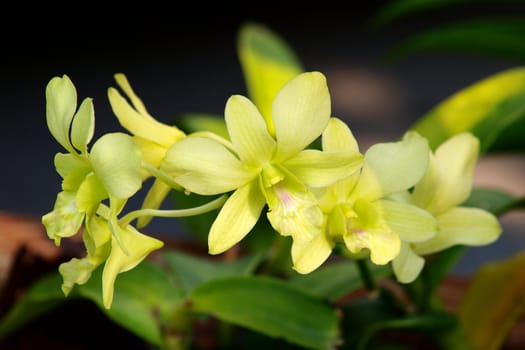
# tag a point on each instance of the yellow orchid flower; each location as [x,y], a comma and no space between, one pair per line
[262,169]
[446,184]
[110,170]
[357,209]
[153,138]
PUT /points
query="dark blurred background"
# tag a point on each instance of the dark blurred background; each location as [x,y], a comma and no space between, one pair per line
[181,57]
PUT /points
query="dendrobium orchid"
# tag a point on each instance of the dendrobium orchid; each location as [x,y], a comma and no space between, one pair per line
[153,138]
[112,170]
[357,209]
[446,184]
[261,169]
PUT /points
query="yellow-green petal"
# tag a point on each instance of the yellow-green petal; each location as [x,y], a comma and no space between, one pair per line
[142,125]
[293,208]
[366,228]
[338,137]
[448,180]
[301,111]
[65,219]
[392,167]
[116,160]
[138,246]
[75,271]
[65,163]
[204,166]
[61,102]
[382,243]
[407,265]
[310,255]
[248,131]
[90,193]
[320,169]
[137,103]
[152,152]
[153,200]
[236,218]
[97,239]
[411,223]
[83,126]
[468,226]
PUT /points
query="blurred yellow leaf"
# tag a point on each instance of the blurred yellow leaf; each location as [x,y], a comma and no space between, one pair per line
[493,302]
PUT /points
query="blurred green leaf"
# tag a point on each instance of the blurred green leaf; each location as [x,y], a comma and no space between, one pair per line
[144,299]
[193,122]
[396,10]
[43,296]
[498,37]
[335,280]
[495,201]
[267,62]
[493,303]
[193,270]
[269,306]
[490,108]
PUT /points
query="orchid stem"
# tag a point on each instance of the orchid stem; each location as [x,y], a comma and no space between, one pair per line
[215,204]
[161,175]
[366,275]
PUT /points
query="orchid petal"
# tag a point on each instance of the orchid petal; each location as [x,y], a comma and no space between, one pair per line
[320,169]
[153,200]
[142,125]
[301,111]
[116,160]
[204,166]
[65,219]
[338,137]
[152,153]
[65,163]
[137,103]
[138,246]
[248,131]
[75,271]
[368,229]
[383,244]
[309,256]
[392,167]
[236,218]
[83,126]
[61,102]
[97,239]
[90,193]
[293,208]
[407,265]
[468,226]
[411,223]
[448,180]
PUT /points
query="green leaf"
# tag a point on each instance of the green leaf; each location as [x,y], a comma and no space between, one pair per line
[193,270]
[493,109]
[193,122]
[271,307]
[143,300]
[396,10]
[493,302]
[267,63]
[116,161]
[495,201]
[61,102]
[336,280]
[83,125]
[43,296]
[500,37]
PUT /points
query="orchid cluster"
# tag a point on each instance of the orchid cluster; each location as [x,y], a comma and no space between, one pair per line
[395,202]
